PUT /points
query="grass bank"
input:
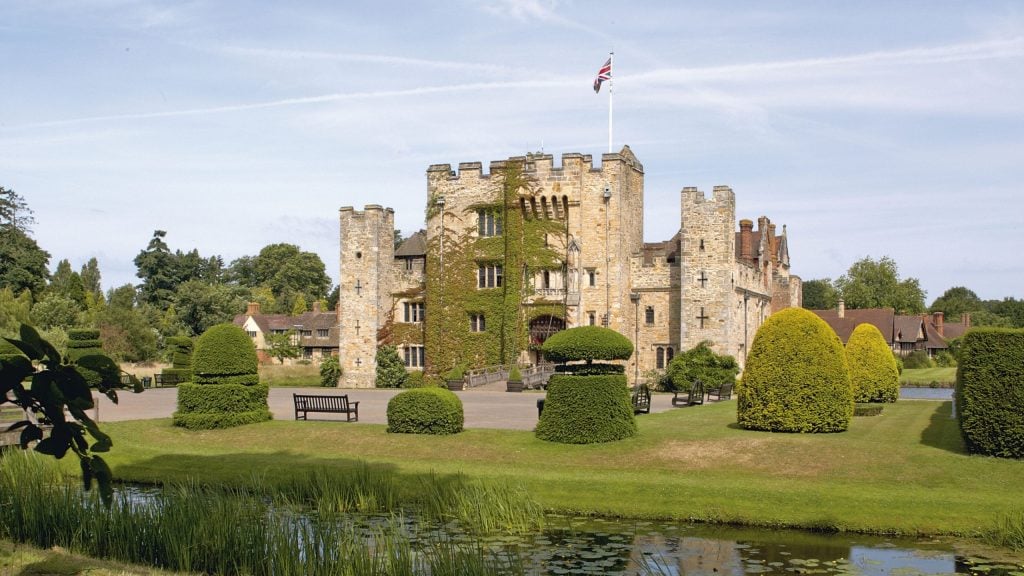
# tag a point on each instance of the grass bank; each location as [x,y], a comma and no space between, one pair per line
[904,471]
[929,377]
[293,375]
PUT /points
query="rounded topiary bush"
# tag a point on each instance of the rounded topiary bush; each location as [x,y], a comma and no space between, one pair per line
[587,403]
[587,343]
[796,378]
[425,411]
[225,354]
[586,410]
[873,371]
[990,392]
[225,389]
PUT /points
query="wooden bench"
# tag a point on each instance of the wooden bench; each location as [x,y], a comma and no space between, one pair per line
[691,397]
[167,380]
[642,399]
[305,403]
[723,392]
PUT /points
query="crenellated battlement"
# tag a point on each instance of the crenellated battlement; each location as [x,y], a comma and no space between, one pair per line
[540,166]
[722,195]
[370,209]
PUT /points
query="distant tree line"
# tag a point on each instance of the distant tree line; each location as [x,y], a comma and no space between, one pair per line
[877,284]
[180,293]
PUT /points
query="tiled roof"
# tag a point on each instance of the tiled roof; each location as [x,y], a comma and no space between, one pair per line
[311,321]
[881,318]
[413,246]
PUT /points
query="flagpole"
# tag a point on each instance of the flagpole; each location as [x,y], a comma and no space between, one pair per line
[611,91]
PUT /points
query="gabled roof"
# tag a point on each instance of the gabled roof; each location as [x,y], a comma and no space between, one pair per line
[881,318]
[669,249]
[413,246]
[311,321]
[907,329]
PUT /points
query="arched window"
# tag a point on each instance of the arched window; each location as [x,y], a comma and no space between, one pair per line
[659,355]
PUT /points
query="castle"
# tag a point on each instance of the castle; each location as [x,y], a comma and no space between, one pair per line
[511,256]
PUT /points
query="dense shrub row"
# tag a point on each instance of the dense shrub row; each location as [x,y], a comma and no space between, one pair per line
[596,369]
[211,406]
[873,371]
[587,343]
[990,392]
[586,410]
[425,411]
[796,377]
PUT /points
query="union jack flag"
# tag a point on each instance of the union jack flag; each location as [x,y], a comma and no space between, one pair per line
[605,73]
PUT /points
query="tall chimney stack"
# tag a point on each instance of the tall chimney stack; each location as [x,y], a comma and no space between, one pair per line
[937,320]
[841,308]
[746,240]
[252,309]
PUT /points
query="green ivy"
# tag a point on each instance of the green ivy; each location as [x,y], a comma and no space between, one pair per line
[452,294]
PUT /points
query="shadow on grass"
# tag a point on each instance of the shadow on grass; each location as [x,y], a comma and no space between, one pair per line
[943,432]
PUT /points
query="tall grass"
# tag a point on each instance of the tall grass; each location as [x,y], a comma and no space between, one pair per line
[197,528]
[1008,531]
[291,375]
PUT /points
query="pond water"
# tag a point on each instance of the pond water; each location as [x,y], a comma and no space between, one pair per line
[596,546]
[927,393]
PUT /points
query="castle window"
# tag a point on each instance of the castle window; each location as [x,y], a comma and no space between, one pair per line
[488,224]
[701,243]
[659,355]
[591,277]
[546,279]
[591,318]
[413,356]
[476,323]
[489,276]
[649,315]
[414,311]
[669,353]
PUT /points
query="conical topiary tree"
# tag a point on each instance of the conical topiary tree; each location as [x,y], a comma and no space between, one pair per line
[225,389]
[796,378]
[873,371]
[587,403]
[83,342]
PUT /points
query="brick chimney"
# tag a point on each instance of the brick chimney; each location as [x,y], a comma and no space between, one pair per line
[252,309]
[965,319]
[316,306]
[841,308]
[746,240]
[937,319]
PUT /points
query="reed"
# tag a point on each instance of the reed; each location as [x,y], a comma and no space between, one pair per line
[1008,531]
[191,527]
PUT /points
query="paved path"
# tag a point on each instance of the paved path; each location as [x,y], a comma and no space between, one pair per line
[484,408]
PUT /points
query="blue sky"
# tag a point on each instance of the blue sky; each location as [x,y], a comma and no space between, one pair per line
[868,128]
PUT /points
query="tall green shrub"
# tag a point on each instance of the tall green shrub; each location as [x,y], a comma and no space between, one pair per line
[873,370]
[225,389]
[425,411]
[330,372]
[796,378]
[701,363]
[391,371]
[590,408]
[990,392]
[918,359]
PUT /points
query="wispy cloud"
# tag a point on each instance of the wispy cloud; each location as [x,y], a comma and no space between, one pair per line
[420,63]
[545,11]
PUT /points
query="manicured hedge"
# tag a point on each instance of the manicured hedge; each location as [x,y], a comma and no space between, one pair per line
[586,410]
[873,370]
[596,369]
[83,342]
[225,354]
[425,411]
[587,343]
[990,392]
[796,378]
[181,358]
[206,407]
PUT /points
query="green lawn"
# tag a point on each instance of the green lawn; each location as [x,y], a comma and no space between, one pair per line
[904,471]
[945,377]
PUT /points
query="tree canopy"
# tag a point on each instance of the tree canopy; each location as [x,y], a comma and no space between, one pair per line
[819,294]
[877,284]
[23,264]
[14,211]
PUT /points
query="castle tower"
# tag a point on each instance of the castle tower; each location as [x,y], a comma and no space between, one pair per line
[367,254]
[708,255]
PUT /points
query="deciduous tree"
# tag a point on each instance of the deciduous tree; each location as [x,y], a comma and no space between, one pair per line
[876,284]
[819,295]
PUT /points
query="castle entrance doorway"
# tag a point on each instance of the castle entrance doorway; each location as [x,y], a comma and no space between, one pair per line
[541,328]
